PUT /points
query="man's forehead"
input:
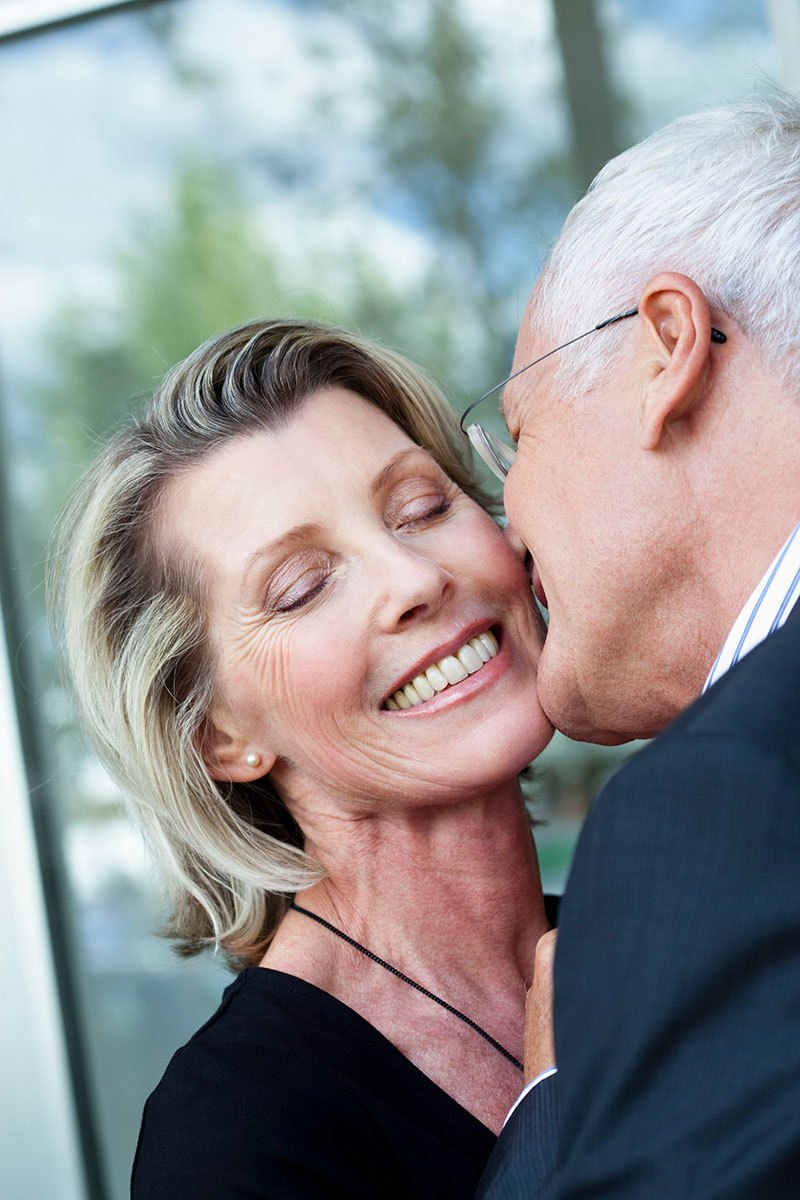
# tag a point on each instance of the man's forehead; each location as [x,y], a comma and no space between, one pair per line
[529,347]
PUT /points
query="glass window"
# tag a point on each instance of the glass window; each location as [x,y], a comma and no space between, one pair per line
[399,166]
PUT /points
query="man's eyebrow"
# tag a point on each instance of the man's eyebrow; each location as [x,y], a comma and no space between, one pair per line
[397,460]
[504,407]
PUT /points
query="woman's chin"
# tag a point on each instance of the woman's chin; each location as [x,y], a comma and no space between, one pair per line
[539,733]
[502,758]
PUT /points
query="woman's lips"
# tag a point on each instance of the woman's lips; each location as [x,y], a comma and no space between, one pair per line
[458,693]
[452,669]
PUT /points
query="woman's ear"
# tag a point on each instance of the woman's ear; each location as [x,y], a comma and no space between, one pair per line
[676,328]
[233,759]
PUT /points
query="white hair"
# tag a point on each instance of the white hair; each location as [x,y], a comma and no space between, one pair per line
[715,196]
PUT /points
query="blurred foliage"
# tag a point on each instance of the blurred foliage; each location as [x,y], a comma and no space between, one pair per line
[180,278]
[231,239]
[443,138]
[204,259]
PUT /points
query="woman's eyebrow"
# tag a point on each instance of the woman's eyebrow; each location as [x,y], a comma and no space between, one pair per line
[386,472]
[298,535]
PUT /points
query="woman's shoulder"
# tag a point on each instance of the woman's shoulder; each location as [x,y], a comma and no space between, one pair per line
[286,1091]
[269,1015]
[269,1029]
[247,1092]
[263,1005]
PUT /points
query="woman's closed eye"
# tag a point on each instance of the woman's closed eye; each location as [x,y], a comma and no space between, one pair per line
[424,509]
[301,579]
[410,506]
[292,591]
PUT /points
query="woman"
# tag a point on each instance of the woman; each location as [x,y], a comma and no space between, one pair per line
[309,655]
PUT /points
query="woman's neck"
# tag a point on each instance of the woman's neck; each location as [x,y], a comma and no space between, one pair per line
[444,891]
[452,898]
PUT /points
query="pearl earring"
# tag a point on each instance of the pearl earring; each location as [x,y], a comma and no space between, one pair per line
[253,760]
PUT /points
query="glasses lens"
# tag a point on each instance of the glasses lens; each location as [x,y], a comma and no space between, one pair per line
[497,455]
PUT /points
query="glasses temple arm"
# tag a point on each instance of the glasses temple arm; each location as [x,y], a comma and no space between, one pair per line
[716,336]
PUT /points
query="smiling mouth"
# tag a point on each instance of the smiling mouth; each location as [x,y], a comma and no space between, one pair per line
[448,671]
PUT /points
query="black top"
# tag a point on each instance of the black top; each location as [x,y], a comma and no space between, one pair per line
[289,1094]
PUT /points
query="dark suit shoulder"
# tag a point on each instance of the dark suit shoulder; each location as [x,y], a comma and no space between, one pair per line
[718,792]
[678,967]
[755,704]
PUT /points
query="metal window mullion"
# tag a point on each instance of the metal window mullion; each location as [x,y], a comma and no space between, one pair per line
[37,1106]
[783,17]
[30,19]
[43,963]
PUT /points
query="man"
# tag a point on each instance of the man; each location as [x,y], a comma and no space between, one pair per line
[657,486]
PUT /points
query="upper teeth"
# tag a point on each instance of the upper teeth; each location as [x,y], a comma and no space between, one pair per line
[452,669]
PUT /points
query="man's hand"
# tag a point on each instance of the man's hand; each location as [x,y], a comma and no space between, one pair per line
[540,1050]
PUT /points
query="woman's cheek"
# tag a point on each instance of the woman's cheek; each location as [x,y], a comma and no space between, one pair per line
[314,678]
[494,555]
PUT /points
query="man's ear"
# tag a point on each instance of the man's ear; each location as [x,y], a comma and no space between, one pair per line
[676,328]
[231,758]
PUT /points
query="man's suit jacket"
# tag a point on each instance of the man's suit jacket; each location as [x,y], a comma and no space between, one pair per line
[677,1002]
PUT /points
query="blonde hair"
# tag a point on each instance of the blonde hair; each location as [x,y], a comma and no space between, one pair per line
[130,620]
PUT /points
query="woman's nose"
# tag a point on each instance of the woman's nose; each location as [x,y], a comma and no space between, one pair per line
[412,586]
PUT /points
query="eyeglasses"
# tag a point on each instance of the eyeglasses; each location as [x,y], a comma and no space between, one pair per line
[498,455]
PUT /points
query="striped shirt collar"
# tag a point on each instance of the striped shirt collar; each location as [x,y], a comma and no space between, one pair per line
[765,611]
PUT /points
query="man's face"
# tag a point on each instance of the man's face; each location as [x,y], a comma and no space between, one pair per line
[607,527]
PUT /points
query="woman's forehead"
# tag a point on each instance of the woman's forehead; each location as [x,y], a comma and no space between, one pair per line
[260,485]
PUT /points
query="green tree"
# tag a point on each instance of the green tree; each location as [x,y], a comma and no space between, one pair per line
[442,134]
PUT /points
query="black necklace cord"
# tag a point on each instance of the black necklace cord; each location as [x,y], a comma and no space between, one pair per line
[411,983]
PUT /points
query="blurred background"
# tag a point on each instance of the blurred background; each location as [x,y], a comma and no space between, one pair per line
[172,168]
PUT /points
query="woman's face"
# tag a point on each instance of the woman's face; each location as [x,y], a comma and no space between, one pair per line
[341,563]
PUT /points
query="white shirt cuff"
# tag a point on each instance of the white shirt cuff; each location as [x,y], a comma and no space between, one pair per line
[529,1088]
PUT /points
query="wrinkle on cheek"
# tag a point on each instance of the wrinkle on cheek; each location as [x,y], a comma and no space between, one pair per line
[250,671]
